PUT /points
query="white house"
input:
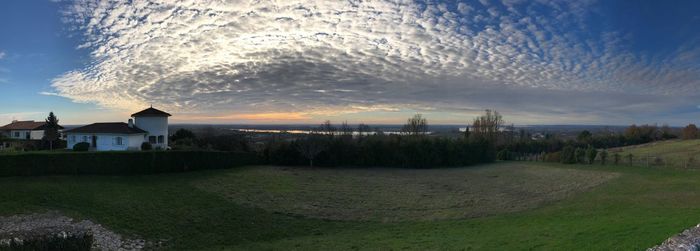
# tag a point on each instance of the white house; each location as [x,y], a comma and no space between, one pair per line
[149,125]
[25,130]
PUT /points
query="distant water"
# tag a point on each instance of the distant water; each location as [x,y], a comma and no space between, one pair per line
[354,133]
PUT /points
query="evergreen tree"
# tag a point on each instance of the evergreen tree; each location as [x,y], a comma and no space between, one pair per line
[51,129]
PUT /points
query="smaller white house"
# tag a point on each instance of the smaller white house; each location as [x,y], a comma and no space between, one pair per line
[117,136]
[24,130]
[149,125]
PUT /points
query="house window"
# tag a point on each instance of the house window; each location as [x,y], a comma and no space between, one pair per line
[85,138]
[72,138]
[28,135]
[16,134]
[152,139]
[118,141]
[161,139]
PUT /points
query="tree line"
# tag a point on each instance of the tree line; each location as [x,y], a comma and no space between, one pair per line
[632,135]
[331,145]
[414,148]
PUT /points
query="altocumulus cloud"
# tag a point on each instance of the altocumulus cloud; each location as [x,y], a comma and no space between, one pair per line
[291,56]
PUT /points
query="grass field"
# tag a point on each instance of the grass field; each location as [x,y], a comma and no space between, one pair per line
[630,208]
[385,194]
[670,153]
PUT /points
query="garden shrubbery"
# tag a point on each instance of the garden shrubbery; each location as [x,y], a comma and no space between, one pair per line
[81,147]
[505,155]
[145,146]
[119,163]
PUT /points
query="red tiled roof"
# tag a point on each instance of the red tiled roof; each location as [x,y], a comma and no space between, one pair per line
[151,112]
[116,128]
[25,125]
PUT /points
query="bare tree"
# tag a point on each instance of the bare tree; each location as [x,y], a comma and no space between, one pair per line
[487,126]
[417,125]
[363,129]
[328,129]
[345,129]
[690,132]
[310,146]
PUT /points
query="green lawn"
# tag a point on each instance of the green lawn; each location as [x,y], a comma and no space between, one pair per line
[669,153]
[637,209]
[391,194]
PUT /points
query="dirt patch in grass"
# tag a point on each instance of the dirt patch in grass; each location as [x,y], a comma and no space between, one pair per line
[387,194]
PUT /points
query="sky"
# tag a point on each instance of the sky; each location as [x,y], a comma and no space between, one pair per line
[606,62]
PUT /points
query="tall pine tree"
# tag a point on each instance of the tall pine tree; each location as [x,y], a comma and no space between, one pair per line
[51,129]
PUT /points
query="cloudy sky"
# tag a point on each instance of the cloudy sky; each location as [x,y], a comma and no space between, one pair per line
[304,61]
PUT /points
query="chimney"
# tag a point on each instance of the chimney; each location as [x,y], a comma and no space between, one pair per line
[131,123]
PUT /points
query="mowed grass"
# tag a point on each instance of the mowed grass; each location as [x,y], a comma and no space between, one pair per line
[638,209]
[670,153]
[391,194]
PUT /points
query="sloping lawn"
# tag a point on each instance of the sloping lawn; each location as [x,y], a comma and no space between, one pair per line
[669,153]
[638,209]
[391,194]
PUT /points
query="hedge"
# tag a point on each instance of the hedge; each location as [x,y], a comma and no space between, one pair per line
[119,163]
[385,151]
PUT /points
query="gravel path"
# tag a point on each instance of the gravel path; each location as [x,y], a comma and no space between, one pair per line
[103,239]
[687,240]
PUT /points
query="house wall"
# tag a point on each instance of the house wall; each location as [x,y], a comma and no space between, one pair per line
[36,134]
[135,141]
[155,126]
[106,142]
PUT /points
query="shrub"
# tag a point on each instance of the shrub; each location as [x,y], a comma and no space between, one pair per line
[591,153]
[658,161]
[691,161]
[81,147]
[145,146]
[118,163]
[226,142]
[504,155]
[568,155]
[630,159]
[580,155]
[553,157]
[603,157]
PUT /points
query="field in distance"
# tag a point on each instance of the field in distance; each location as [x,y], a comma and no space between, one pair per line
[670,153]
